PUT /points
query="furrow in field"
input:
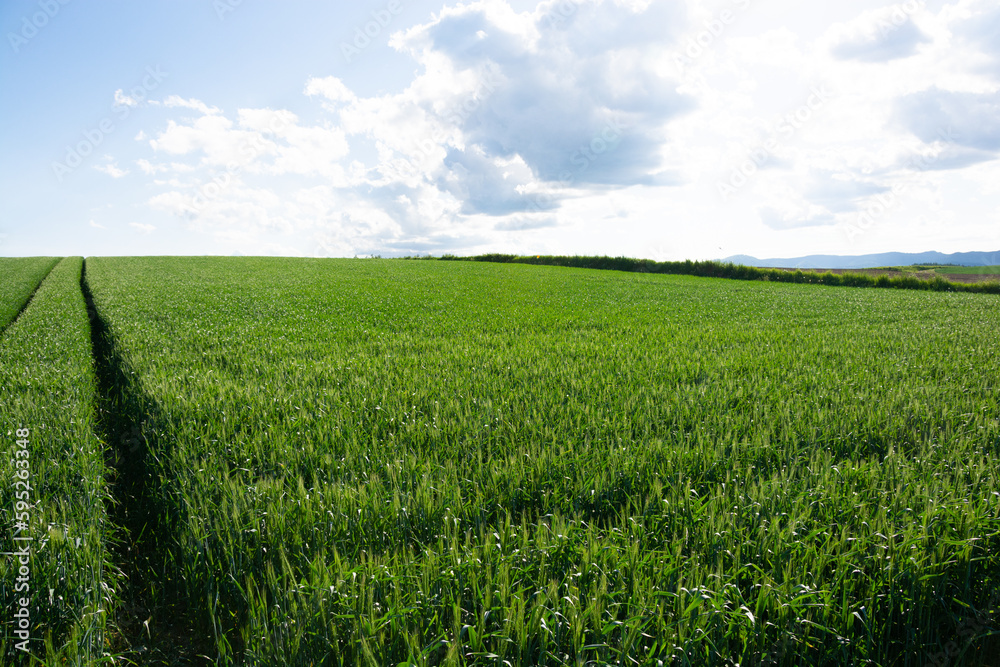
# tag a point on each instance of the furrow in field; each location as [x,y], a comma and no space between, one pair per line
[124,418]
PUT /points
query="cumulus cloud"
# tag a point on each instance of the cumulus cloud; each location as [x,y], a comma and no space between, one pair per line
[215,138]
[487,185]
[979,28]
[956,157]
[512,114]
[144,228]
[963,119]
[957,117]
[510,103]
[840,193]
[577,99]
[517,125]
[259,141]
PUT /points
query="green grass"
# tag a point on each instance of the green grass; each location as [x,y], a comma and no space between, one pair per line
[47,386]
[384,462]
[984,270]
[19,277]
[943,269]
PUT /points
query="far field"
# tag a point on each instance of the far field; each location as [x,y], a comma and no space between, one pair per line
[384,462]
[974,270]
[957,274]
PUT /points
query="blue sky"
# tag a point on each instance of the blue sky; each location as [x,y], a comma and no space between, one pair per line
[668,129]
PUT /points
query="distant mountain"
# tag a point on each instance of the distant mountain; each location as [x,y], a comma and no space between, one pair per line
[871,261]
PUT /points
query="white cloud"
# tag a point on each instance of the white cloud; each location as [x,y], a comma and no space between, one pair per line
[262,141]
[145,229]
[111,169]
[512,124]
[123,100]
[969,120]
[574,121]
[175,101]
[151,169]
[215,138]
[96,225]
[213,209]
[879,35]
[331,88]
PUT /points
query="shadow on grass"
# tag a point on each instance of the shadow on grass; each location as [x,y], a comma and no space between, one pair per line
[153,625]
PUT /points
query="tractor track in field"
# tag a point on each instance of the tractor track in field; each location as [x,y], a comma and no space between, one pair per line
[149,627]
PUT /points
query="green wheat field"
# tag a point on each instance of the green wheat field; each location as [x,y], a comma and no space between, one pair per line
[253,461]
